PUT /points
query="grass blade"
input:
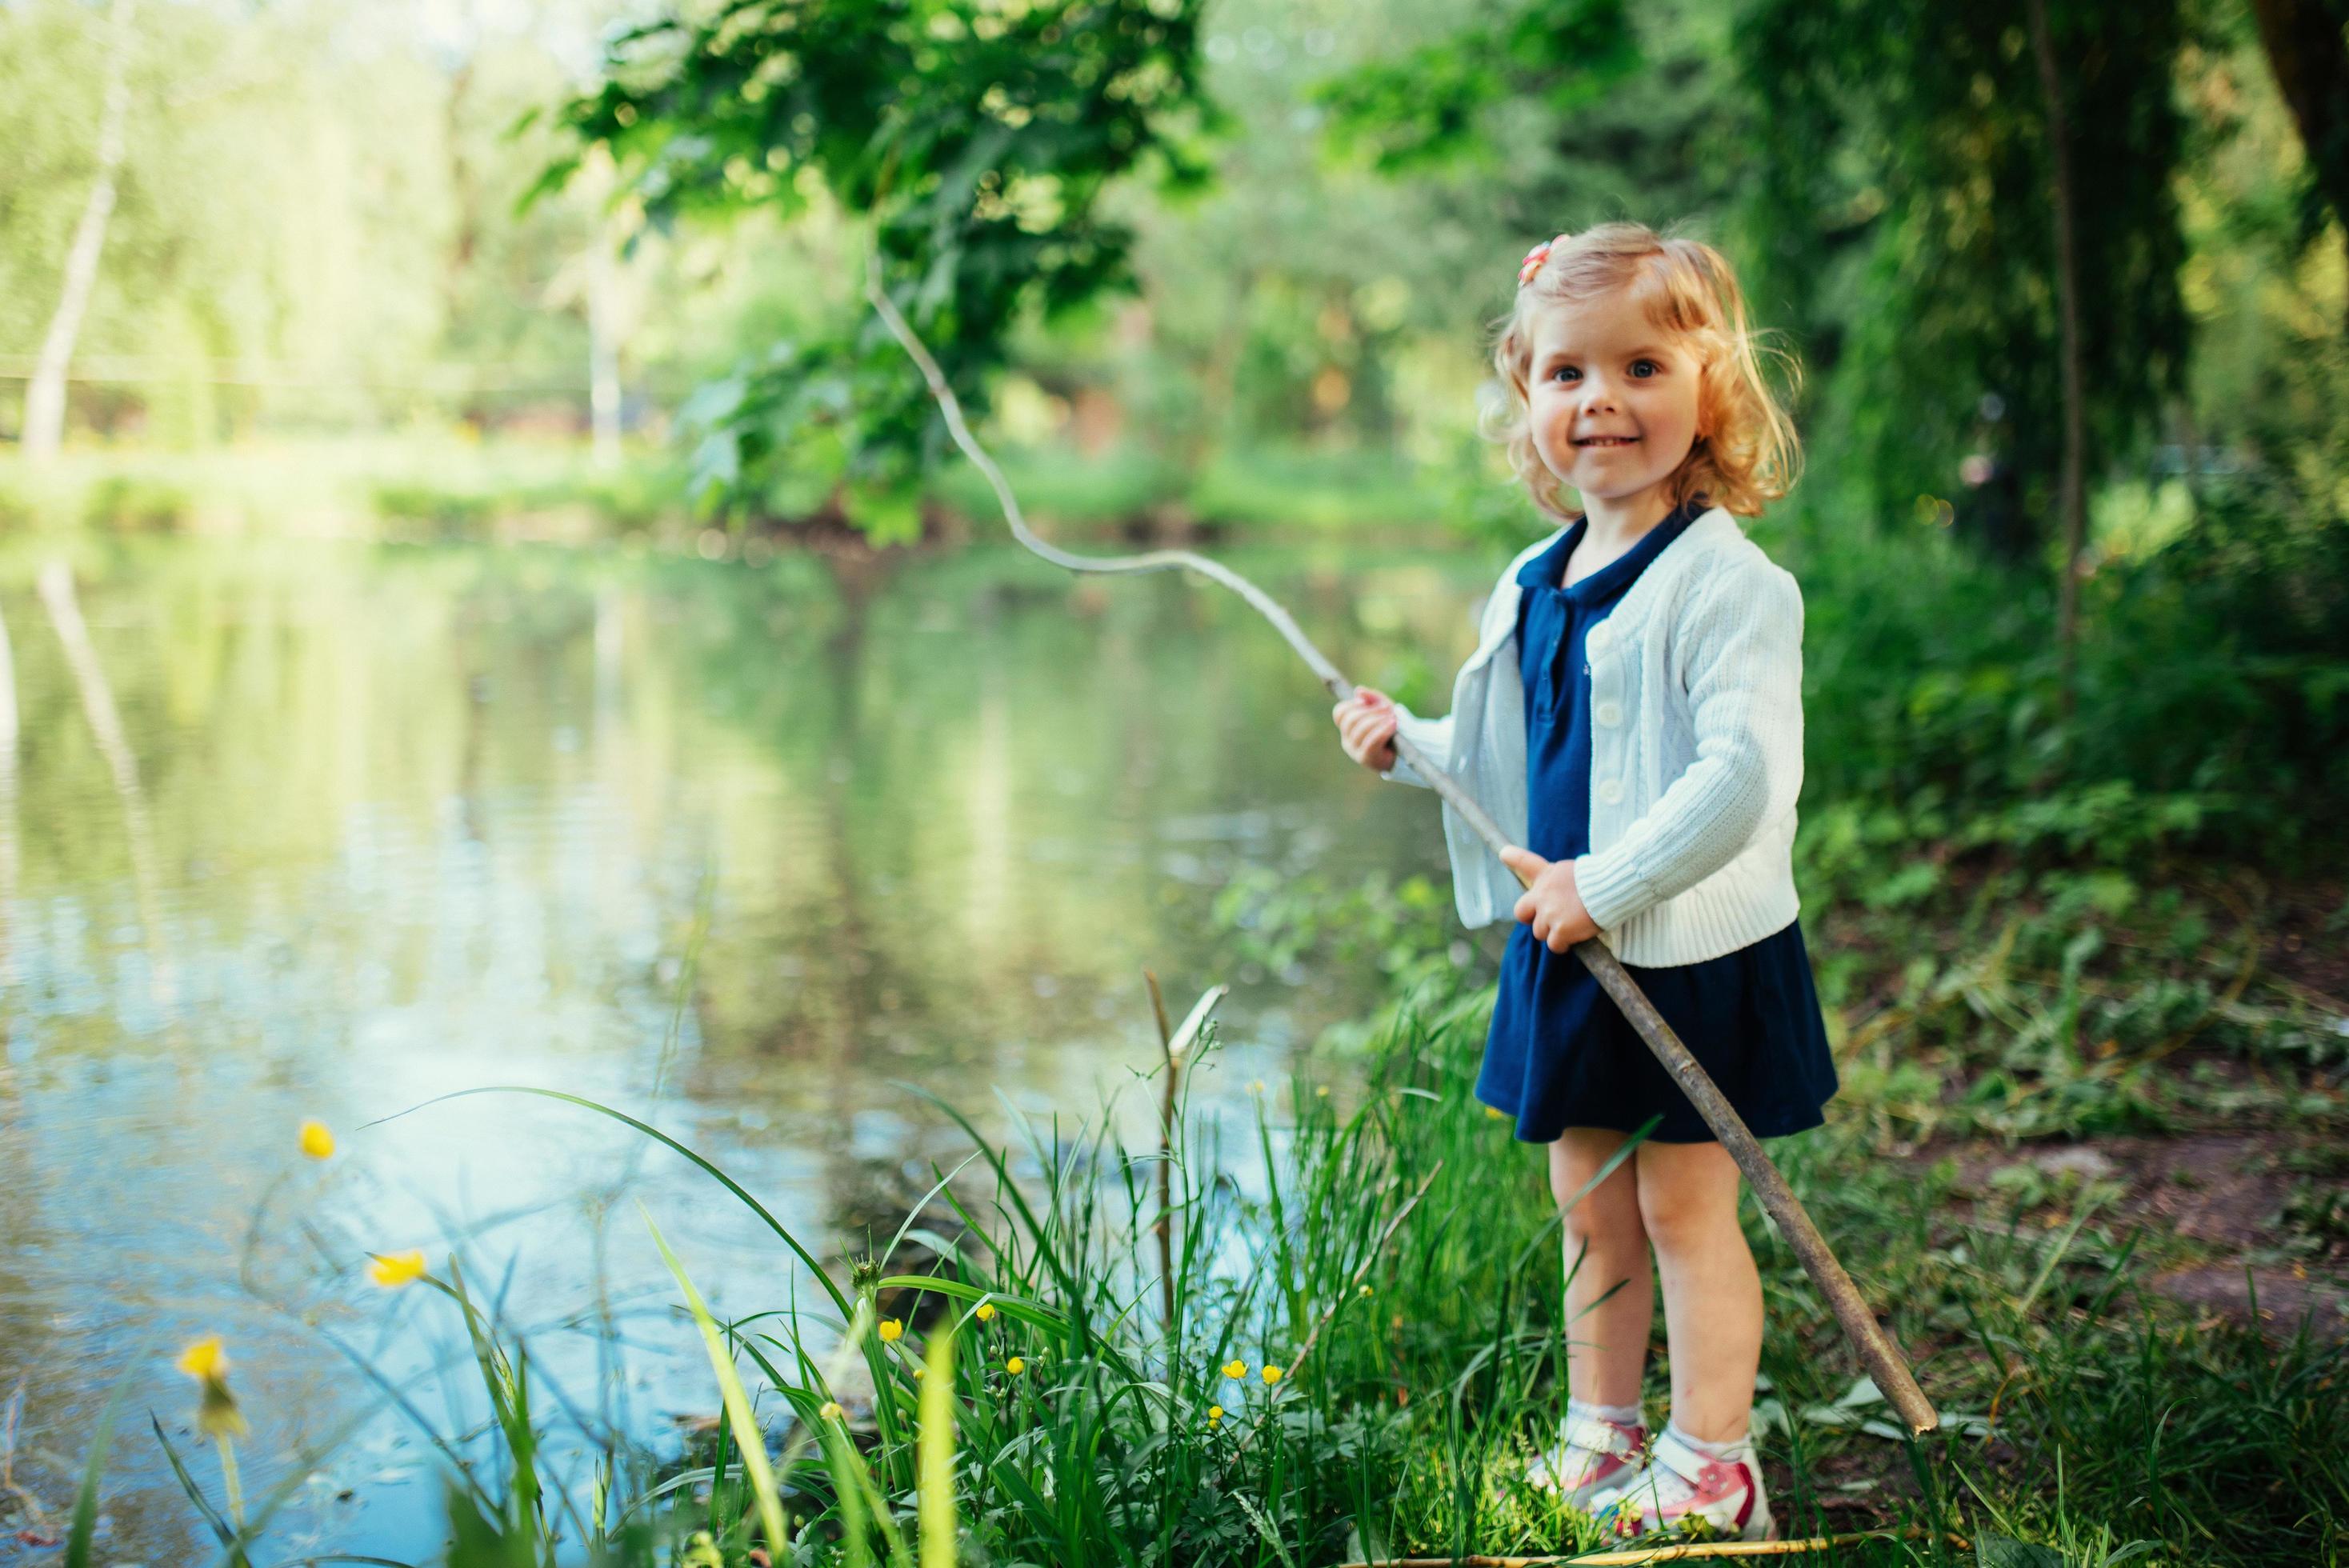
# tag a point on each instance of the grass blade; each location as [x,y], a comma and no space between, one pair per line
[658,1136]
[84,1514]
[937,1446]
[749,1440]
[220,1526]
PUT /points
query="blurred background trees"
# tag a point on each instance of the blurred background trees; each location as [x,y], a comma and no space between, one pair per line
[1163,242]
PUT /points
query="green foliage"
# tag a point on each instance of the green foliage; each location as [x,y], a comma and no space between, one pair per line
[2211,676]
[1902,210]
[1431,104]
[1406,929]
[977,145]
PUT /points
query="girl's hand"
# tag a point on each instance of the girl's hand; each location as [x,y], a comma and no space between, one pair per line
[1550,904]
[1366,726]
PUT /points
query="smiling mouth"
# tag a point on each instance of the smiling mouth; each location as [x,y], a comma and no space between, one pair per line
[1607,441]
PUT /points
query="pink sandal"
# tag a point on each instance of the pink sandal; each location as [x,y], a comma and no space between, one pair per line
[1679,1485]
[1592,1454]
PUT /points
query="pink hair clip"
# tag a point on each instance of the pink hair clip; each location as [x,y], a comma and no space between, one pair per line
[1534,260]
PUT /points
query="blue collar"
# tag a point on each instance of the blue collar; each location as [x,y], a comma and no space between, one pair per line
[1548,568]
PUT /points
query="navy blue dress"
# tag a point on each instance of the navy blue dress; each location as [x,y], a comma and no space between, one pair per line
[1560,1053]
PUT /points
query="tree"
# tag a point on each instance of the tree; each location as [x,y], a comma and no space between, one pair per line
[974,142]
[2305,49]
[1903,211]
[1573,112]
[45,398]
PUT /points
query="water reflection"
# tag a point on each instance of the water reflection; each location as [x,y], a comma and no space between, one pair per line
[331,831]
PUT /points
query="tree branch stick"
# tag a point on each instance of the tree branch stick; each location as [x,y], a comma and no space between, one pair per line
[1675,1552]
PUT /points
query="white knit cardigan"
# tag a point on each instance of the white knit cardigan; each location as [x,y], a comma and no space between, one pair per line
[1696,751]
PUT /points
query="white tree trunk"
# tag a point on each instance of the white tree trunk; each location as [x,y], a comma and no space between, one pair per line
[9,850]
[44,399]
[604,331]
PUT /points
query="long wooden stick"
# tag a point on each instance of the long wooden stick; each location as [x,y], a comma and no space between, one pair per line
[1677,1551]
[1876,1352]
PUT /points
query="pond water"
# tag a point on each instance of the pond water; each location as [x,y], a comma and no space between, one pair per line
[326,831]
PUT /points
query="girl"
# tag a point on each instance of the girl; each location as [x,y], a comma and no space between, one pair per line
[1633,718]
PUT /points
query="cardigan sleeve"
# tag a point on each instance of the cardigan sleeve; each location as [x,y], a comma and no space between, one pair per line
[1745,673]
[1432,735]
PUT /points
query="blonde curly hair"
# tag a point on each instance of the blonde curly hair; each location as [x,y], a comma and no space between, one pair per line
[1748,454]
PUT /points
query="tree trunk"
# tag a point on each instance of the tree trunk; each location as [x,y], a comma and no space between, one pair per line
[2311,63]
[607,312]
[2073,499]
[9,858]
[45,398]
[603,349]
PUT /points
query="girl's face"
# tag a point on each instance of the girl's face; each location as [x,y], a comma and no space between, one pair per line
[1612,399]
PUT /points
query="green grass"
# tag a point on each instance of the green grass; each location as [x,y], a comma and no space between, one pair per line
[1398,1230]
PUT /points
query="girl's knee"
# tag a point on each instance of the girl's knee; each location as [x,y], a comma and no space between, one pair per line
[1677,1221]
[1613,1234]
[1576,1159]
[1606,1217]
[1687,1194]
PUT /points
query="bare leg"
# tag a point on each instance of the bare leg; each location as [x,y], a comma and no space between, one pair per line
[1606,1340]
[1713,1296]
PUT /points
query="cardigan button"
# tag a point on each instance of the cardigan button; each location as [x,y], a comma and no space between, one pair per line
[1611,791]
[1600,635]
[1610,714]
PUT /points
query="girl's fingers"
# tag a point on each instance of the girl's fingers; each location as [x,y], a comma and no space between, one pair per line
[1363,732]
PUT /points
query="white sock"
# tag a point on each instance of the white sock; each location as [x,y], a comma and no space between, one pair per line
[1737,1450]
[1621,1415]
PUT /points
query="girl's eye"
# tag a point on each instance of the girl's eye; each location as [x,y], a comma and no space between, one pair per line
[1650,364]
[1564,370]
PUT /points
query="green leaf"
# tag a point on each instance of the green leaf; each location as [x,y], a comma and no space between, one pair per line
[748,1439]
[2005,1552]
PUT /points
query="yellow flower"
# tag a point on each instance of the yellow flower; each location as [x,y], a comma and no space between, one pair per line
[1366,1293]
[1272,1374]
[1491,1112]
[1015,1366]
[1235,1369]
[217,1412]
[917,1371]
[1214,1414]
[831,1411]
[204,1360]
[1321,1091]
[392,1270]
[317,1141]
[986,1311]
[1256,1086]
[891,1330]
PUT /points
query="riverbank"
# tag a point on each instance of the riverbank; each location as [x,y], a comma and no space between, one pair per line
[1366,1346]
[445,487]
